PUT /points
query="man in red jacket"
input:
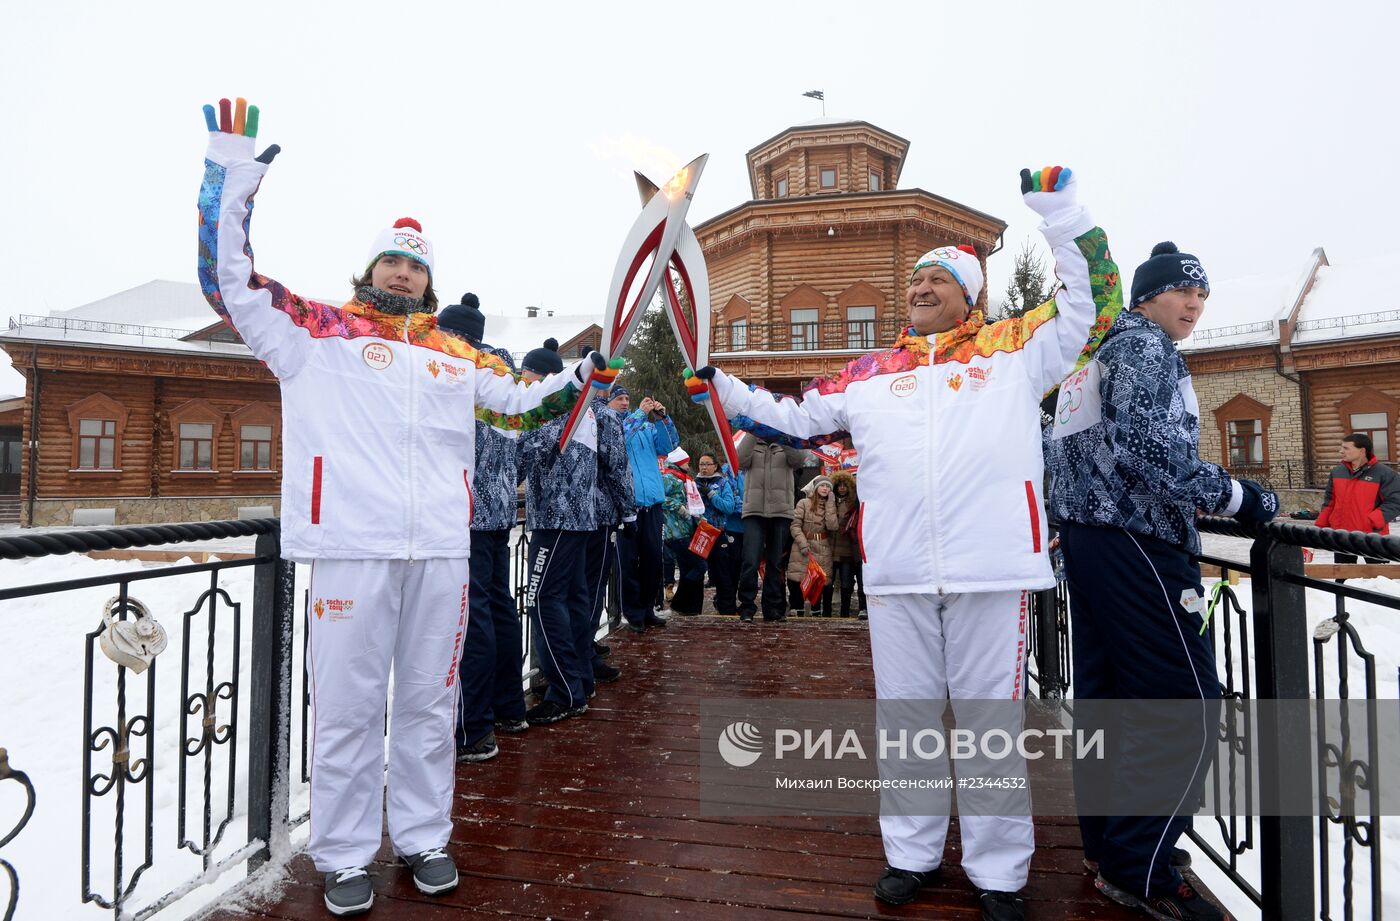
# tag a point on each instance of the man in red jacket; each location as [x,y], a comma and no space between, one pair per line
[1362,495]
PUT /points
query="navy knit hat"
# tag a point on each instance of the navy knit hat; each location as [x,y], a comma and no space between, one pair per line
[1166,270]
[465,319]
[544,360]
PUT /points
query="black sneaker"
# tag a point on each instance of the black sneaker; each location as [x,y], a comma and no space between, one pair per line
[602,649]
[511,727]
[483,749]
[604,673]
[655,620]
[1183,903]
[580,710]
[433,871]
[348,892]
[1001,906]
[637,628]
[1180,859]
[745,618]
[543,714]
[896,887]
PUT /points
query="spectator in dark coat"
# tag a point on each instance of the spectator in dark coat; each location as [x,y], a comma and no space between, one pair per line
[768,490]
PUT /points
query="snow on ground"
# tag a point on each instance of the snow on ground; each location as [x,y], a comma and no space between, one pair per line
[41,725]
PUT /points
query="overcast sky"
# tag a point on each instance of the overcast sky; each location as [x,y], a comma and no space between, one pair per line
[1247,132]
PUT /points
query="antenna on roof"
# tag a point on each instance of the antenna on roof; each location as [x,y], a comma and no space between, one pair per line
[818,95]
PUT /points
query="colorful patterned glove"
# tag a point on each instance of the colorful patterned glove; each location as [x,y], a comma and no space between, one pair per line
[232,132]
[1050,192]
[604,371]
[697,383]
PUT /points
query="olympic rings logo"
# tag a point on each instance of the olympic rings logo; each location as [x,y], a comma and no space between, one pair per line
[1073,399]
[413,243]
[1193,270]
[947,252]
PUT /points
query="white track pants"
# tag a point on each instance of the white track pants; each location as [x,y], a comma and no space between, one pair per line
[365,615]
[969,646]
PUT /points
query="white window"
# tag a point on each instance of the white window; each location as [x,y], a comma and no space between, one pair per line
[739,335]
[255,447]
[860,327]
[1376,425]
[1246,442]
[874,181]
[196,446]
[828,177]
[782,187]
[97,444]
[803,329]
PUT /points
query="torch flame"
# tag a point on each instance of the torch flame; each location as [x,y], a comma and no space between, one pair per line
[675,186]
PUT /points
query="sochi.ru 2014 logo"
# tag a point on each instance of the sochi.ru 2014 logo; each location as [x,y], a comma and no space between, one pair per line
[740,745]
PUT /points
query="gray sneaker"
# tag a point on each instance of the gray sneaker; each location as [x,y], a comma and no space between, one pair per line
[483,749]
[348,892]
[433,870]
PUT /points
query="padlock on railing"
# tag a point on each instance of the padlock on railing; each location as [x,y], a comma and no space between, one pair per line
[133,643]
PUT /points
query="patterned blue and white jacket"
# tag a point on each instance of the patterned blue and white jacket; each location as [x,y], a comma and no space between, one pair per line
[613,495]
[494,480]
[559,490]
[1122,451]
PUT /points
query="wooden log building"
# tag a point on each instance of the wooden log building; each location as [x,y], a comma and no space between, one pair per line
[169,420]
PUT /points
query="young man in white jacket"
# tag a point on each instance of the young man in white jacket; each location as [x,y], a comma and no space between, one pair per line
[377,450]
[953,536]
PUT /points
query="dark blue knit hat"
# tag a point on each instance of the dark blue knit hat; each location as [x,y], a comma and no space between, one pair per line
[544,360]
[465,319]
[1166,270]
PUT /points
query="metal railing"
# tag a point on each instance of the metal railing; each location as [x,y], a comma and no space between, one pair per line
[1292,474]
[122,763]
[825,336]
[1268,652]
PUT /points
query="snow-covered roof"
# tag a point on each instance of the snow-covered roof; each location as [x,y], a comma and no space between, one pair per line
[519,334]
[169,304]
[1243,311]
[159,314]
[1353,300]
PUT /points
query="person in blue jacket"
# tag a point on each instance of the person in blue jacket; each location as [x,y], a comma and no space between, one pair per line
[650,434]
[723,492]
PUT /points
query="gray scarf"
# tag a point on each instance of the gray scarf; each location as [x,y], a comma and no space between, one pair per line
[388,302]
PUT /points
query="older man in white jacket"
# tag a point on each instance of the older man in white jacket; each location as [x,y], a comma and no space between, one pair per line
[951,531]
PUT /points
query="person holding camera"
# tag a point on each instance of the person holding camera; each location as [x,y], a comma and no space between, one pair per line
[650,434]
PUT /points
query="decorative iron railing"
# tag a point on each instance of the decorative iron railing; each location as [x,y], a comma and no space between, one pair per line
[830,335]
[1290,866]
[228,708]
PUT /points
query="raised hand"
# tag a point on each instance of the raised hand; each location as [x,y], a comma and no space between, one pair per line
[697,383]
[604,371]
[1051,191]
[232,133]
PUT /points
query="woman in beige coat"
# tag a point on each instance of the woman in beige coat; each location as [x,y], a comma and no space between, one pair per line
[814,527]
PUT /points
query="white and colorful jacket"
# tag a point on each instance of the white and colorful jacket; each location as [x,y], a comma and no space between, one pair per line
[948,430]
[378,431]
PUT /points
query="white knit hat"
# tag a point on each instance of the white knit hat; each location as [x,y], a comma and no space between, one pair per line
[961,262]
[405,238]
[678,456]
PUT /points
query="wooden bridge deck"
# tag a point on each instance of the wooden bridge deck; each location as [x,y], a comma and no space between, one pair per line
[598,818]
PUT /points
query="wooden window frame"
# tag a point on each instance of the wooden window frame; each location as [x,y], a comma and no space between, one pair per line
[1371,400]
[803,297]
[97,406]
[1237,409]
[875,181]
[259,413]
[195,412]
[780,186]
[835,178]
